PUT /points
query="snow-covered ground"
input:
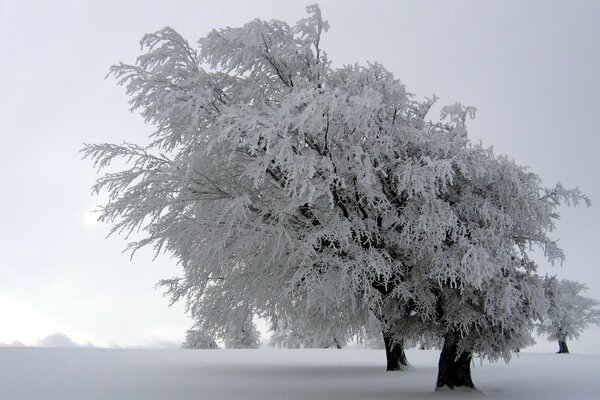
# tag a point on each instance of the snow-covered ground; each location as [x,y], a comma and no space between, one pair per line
[92,373]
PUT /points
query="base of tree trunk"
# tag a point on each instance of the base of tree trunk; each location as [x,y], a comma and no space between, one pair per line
[394,353]
[454,369]
[562,347]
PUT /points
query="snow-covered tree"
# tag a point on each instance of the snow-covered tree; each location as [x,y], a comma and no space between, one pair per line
[569,313]
[280,182]
[298,333]
[197,339]
[241,333]
[297,339]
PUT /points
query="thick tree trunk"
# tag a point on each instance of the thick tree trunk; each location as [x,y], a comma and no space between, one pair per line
[394,353]
[562,347]
[454,370]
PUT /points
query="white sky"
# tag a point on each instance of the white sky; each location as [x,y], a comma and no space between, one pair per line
[531,68]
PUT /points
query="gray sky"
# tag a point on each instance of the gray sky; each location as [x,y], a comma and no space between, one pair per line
[531,68]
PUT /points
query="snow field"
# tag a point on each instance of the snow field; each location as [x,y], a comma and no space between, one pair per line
[349,374]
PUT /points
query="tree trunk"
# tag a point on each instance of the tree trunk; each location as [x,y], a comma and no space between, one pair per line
[394,353]
[562,347]
[454,370]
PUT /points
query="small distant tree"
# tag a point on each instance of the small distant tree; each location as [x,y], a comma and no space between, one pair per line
[299,336]
[294,339]
[569,313]
[286,338]
[197,339]
[241,333]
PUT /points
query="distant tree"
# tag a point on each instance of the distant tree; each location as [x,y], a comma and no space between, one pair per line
[286,338]
[297,334]
[280,182]
[569,312]
[241,333]
[197,339]
[294,339]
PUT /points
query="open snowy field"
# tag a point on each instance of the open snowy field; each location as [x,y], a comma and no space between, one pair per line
[91,373]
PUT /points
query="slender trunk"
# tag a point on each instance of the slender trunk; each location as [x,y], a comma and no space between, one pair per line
[454,369]
[394,353]
[562,347]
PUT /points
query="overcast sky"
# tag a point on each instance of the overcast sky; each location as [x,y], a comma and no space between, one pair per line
[531,68]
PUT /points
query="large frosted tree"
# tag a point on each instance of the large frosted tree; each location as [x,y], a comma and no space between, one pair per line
[280,182]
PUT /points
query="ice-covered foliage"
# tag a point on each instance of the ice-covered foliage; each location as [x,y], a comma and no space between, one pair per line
[570,312]
[280,182]
[197,339]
